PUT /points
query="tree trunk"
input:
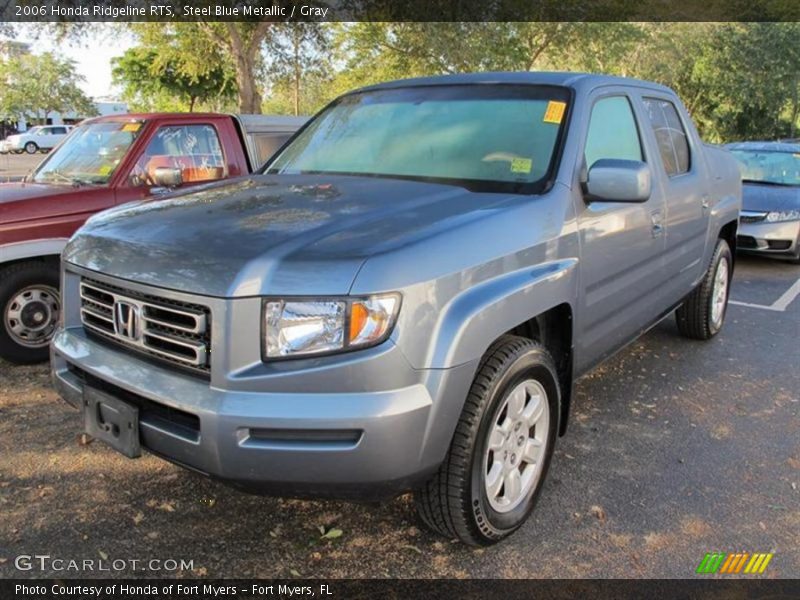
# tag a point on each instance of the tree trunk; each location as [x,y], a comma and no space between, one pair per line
[249,95]
[245,53]
[296,77]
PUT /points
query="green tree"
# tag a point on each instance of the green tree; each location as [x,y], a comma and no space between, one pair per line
[298,66]
[152,79]
[34,87]
[197,44]
[749,76]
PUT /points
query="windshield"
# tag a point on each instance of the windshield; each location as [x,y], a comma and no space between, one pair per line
[769,166]
[90,154]
[489,138]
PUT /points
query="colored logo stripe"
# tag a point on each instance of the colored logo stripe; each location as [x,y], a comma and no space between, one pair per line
[711,562]
[733,563]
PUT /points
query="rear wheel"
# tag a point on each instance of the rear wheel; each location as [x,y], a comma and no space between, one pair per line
[491,477]
[702,314]
[31,148]
[30,304]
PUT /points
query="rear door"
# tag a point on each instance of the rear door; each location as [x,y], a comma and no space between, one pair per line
[683,185]
[622,244]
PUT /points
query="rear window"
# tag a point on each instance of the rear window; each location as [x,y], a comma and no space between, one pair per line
[673,145]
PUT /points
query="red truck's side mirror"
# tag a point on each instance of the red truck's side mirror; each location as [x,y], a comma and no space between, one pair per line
[167,177]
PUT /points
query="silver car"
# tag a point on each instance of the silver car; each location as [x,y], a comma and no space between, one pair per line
[770,221]
[404,295]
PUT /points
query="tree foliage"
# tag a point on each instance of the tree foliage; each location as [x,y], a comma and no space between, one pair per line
[298,66]
[35,86]
[737,79]
[153,78]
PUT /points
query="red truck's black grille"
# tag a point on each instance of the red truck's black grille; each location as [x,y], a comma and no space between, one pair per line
[168,330]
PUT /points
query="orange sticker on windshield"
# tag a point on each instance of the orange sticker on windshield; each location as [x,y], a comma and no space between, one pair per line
[555,112]
[132,127]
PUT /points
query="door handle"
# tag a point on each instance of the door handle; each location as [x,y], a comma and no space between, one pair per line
[704,203]
[656,223]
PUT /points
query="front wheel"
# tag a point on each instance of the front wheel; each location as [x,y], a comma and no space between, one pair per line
[31,148]
[493,473]
[30,305]
[702,314]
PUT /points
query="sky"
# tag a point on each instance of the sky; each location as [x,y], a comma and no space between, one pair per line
[92,58]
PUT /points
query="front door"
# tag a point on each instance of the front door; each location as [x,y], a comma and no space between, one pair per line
[621,243]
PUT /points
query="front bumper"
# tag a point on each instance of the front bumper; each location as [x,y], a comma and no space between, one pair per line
[363,445]
[779,239]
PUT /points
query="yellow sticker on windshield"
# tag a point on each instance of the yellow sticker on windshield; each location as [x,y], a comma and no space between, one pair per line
[132,127]
[555,112]
[521,165]
[104,170]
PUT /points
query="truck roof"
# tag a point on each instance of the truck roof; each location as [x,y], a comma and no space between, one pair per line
[584,81]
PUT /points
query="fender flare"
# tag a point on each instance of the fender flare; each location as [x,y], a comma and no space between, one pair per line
[474,319]
[31,249]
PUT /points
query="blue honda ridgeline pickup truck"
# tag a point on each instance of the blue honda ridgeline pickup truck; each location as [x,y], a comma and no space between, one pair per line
[403,296]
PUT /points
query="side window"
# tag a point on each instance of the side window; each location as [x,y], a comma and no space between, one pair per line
[267,144]
[670,135]
[612,132]
[194,149]
[59,130]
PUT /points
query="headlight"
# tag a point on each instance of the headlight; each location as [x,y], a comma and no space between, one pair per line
[323,326]
[783,215]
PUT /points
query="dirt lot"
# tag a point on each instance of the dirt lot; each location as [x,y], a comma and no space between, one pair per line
[16,166]
[675,449]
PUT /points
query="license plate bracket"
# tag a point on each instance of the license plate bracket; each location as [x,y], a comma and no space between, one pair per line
[112,421]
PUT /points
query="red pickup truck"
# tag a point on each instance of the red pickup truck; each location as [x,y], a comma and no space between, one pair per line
[105,162]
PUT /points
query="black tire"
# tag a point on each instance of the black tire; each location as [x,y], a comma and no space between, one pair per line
[694,316]
[14,279]
[454,501]
[31,148]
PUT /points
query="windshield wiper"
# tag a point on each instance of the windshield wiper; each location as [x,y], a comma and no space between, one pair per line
[76,181]
[765,182]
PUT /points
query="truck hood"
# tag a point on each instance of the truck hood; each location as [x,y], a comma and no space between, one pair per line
[270,234]
[758,197]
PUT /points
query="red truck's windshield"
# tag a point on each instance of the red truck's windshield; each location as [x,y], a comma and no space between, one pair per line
[90,155]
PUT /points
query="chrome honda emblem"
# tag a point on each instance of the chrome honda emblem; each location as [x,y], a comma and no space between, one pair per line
[126,320]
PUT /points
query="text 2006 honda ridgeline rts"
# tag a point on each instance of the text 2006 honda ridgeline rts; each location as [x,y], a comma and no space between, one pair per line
[402,298]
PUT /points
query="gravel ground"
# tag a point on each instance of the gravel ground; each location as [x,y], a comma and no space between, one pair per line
[675,449]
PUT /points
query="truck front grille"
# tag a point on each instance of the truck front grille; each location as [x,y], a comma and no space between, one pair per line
[169,330]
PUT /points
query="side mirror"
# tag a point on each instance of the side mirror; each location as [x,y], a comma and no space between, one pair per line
[616,180]
[167,177]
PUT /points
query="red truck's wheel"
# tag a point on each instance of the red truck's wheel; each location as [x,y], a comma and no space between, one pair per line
[30,305]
